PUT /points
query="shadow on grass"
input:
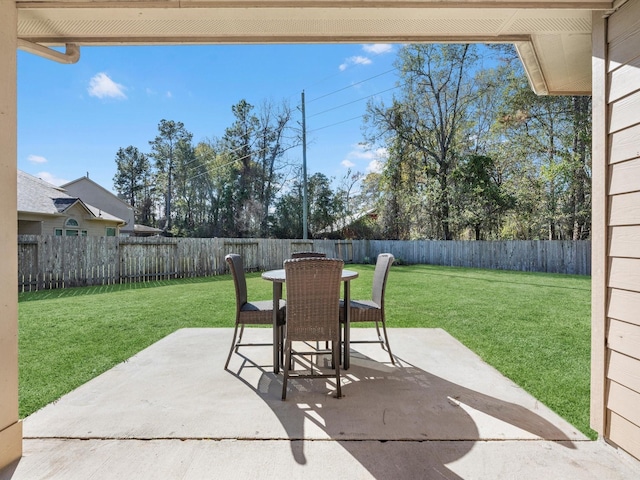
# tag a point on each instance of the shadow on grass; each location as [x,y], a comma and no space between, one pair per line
[100,289]
[493,278]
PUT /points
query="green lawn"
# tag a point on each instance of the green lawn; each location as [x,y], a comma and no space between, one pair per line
[534,328]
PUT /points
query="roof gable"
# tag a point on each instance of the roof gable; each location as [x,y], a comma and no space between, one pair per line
[37,196]
[64,203]
[94,185]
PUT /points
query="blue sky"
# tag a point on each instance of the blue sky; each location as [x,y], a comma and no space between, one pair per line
[72,119]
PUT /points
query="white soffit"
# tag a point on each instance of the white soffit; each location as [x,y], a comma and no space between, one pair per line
[557,41]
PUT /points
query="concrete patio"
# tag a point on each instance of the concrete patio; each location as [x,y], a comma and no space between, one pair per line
[172,412]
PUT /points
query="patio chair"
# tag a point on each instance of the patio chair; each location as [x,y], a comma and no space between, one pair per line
[308,255]
[373,310]
[313,298]
[249,313]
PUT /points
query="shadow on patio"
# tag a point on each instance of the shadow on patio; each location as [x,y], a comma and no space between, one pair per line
[171,411]
[396,403]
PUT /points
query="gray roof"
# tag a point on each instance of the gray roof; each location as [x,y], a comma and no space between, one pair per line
[137,228]
[37,196]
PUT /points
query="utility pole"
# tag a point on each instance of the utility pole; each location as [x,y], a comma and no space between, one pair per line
[304,173]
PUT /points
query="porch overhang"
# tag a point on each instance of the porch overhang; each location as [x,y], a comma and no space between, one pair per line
[552,38]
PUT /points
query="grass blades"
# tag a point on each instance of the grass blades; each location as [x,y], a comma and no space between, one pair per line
[534,328]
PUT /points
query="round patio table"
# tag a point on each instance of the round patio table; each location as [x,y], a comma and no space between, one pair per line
[278,278]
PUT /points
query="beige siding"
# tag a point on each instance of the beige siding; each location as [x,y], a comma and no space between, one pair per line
[625,241]
[624,370]
[625,401]
[93,226]
[625,112]
[624,273]
[624,433]
[624,305]
[624,80]
[617,328]
[624,144]
[625,209]
[624,338]
[624,176]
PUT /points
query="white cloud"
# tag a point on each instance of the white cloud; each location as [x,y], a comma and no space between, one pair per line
[36,159]
[360,154]
[102,86]
[360,60]
[355,60]
[51,178]
[348,163]
[378,48]
[375,166]
[169,95]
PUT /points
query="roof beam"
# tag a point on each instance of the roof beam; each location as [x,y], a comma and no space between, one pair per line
[343,4]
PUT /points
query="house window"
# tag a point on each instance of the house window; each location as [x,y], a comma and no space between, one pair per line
[57,232]
[111,231]
[84,233]
[73,231]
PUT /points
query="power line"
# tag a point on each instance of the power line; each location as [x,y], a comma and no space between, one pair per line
[219,167]
[354,101]
[352,85]
[226,152]
[334,124]
[342,70]
[208,170]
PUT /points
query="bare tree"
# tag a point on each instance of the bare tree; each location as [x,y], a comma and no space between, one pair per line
[427,119]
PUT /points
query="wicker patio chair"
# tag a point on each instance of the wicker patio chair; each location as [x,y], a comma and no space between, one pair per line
[308,255]
[373,310]
[313,298]
[249,313]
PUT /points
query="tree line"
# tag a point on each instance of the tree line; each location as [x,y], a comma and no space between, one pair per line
[471,152]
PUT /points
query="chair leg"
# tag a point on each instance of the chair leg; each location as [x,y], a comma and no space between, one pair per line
[340,327]
[386,341]
[240,337]
[336,360]
[281,346]
[378,331]
[333,357]
[285,368]
[233,344]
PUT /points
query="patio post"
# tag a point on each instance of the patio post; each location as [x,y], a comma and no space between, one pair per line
[599,228]
[10,425]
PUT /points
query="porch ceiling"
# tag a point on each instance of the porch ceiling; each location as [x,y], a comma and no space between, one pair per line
[553,38]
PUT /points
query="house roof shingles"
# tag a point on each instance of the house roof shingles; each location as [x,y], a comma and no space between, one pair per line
[37,196]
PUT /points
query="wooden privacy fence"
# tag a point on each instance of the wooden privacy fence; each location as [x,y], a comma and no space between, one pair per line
[46,261]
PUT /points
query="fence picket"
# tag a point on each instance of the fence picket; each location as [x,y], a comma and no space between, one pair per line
[47,261]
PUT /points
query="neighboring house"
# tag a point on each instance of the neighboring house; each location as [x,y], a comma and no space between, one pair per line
[98,196]
[46,209]
[351,226]
[146,231]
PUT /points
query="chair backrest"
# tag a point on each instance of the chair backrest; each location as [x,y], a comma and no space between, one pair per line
[308,255]
[313,298]
[383,263]
[237,271]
